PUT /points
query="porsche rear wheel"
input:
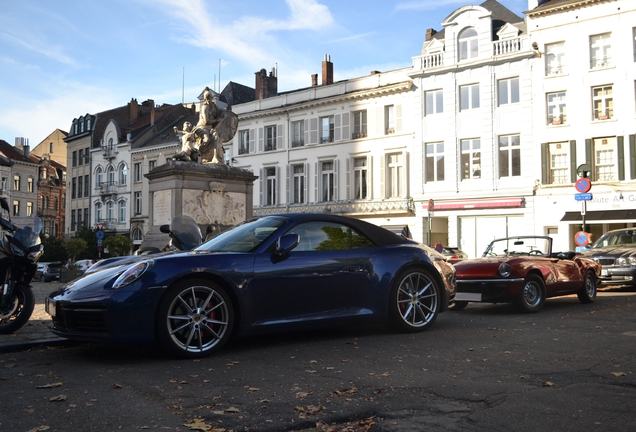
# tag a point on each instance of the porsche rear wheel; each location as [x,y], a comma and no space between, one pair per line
[195,319]
[587,294]
[532,296]
[415,302]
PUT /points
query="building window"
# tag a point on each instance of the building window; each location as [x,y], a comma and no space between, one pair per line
[86,220]
[138,172]
[559,163]
[86,186]
[508,91]
[98,177]
[87,156]
[470,159]
[30,184]
[556,108]
[98,212]
[137,203]
[326,129]
[122,211]
[80,157]
[359,124]
[270,187]
[389,119]
[270,138]
[56,204]
[469,97]
[79,218]
[468,44]
[137,235]
[110,211]
[244,142]
[16,208]
[111,176]
[600,51]
[29,210]
[80,184]
[360,178]
[16,182]
[123,174]
[602,102]
[74,158]
[434,165]
[73,220]
[327,174]
[509,156]
[605,159]
[434,100]
[555,59]
[51,147]
[74,188]
[299,184]
[298,133]
[152,165]
[111,147]
[395,175]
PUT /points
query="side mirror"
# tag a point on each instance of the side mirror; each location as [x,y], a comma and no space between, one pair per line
[165,229]
[286,243]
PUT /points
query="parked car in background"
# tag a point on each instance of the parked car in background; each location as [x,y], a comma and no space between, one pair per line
[83,265]
[453,252]
[39,273]
[615,251]
[52,272]
[524,271]
[283,272]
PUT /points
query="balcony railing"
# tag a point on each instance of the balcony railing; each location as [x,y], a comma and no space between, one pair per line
[404,206]
[109,224]
[109,152]
[506,46]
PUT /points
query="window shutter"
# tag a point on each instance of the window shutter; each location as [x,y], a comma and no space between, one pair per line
[337,128]
[621,157]
[306,183]
[348,176]
[280,137]
[382,169]
[251,137]
[545,163]
[313,131]
[405,183]
[261,132]
[306,138]
[336,188]
[262,186]
[369,177]
[287,183]
[632,156]
[589,153]
[346,132]
[398,118]
[277,186]
[316,189]
[573,173]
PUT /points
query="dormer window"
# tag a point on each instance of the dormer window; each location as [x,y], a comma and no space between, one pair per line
[468,44]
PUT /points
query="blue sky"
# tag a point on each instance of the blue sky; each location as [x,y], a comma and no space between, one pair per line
[66,58]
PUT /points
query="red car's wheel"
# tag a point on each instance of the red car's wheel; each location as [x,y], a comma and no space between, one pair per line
[587,294]
[532,296]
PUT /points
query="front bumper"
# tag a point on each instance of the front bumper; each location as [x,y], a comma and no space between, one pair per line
[618,275]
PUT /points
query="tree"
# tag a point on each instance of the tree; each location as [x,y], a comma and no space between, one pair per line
[89,236]
[74,247]
[118,245]
[54,250]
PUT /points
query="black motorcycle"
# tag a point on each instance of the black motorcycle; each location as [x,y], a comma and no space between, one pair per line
[20,249]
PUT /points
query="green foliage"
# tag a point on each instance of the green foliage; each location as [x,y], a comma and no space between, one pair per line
[54,250]
[74,247]
[89,236]
[118,245]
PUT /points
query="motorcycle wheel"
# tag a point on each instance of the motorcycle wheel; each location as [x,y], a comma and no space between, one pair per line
[19,310]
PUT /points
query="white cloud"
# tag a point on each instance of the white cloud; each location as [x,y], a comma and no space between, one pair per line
[421,5]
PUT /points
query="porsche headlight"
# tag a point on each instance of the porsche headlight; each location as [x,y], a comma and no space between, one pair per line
[505,270]
[133,273]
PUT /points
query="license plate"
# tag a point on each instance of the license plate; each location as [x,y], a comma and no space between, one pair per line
[464,296]
[49,307]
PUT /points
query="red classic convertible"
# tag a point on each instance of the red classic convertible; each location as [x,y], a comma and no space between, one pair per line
[525,271]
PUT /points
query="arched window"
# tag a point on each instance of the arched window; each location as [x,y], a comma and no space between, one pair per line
[122,211]
[137,235]
[123,174]
[111,146]
[468,44]
[98,177]
[98,212]
[110,210]
[111,175]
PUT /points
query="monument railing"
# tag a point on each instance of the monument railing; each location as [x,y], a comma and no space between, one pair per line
[404,206]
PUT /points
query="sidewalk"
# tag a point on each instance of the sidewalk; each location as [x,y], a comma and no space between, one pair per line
[36,331]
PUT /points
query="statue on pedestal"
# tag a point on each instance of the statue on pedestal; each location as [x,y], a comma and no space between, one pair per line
[215,126]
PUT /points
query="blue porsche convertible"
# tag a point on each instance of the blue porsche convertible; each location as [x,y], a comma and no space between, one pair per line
[282,272]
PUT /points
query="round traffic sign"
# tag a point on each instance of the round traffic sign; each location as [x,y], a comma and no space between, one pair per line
[581,238]
[583,185]
[99,234]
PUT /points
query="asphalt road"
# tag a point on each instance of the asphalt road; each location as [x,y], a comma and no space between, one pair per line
[570,367]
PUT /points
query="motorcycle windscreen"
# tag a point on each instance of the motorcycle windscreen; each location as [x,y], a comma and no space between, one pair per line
[186,231]
[29,234]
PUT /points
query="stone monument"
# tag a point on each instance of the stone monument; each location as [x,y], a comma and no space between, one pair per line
[197,182]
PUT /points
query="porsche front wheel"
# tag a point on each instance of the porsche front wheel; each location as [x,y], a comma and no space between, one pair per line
[195,319]
[532,296]
[587,294]
[415,302]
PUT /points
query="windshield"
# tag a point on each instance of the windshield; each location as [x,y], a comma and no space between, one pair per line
[29,233]
[246,237]
[618,238]
[539,246]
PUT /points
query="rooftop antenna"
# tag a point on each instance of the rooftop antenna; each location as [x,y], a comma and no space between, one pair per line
[219,89]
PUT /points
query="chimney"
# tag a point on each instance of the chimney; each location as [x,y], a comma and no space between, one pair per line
[314,80]
[152,116]
[266,86]
[133,109]
[327,70]
[430,33]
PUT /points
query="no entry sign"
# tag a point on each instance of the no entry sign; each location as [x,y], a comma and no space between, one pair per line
[583,185]
[581,238]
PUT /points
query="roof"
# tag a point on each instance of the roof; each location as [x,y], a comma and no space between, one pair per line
[546,6]
[236,93]
[14,154]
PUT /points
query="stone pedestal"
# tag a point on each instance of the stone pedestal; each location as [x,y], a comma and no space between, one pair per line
[212,194]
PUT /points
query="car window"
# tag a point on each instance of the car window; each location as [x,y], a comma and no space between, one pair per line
[519,246]
[324,236]
[620,238]
[244,237]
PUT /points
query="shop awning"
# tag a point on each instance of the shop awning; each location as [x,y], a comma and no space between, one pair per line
[488,203]
[600,215]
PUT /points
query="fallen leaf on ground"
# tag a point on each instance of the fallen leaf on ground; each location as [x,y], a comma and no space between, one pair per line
[52,385]
[548,384]
[58,398]
[619,374]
